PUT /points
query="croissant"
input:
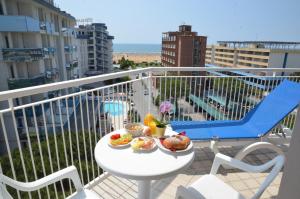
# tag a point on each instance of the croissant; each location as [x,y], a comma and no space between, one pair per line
[177,142]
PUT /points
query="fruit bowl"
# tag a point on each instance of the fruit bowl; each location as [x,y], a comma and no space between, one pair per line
[134,129]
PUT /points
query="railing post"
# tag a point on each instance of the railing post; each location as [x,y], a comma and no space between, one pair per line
[150,91]
[10,103]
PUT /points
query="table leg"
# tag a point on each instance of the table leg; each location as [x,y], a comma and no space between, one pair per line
[144,189]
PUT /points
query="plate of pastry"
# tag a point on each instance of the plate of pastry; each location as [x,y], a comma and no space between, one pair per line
[176,143]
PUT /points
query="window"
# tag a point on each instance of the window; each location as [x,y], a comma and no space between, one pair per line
[1,9]
[12,71]
[17,101]
[6,42]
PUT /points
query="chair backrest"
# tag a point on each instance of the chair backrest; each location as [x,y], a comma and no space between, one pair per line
[3,191]
[274,107]
[278,164]
[67,173]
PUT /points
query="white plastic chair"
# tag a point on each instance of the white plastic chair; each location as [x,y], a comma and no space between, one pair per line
[211,187]
[70,172]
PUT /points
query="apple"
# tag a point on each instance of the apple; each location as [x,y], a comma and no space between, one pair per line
[147,131]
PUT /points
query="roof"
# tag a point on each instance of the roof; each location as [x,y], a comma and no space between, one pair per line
[51,6]
[263,44]
[259,42]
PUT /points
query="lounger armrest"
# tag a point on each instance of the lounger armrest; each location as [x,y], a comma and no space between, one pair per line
[221,159]
[70,172]
[255,146]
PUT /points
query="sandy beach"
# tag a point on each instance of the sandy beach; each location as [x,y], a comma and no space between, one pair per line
[138,57]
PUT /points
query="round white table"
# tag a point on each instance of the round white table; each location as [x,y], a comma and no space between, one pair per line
[140,166]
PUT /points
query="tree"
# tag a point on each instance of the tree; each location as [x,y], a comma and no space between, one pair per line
[125,63]
[172,88]
[133,116]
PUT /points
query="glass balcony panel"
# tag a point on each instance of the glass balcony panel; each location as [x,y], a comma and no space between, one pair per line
[18,24]
[70,49]
[27,82]
[22,54]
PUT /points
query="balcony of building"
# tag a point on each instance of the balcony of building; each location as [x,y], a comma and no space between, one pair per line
[70,49]
[10,23]
[71,65]
[68,32]
[48,28]
[49,52]
[52,73]
[22,54]
[63,130]
[17,83]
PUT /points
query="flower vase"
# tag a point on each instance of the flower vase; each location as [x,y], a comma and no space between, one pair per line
[160,132]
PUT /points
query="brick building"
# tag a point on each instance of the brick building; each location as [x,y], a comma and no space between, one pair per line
[183,48]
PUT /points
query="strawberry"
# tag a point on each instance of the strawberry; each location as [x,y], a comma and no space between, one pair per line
[115,136]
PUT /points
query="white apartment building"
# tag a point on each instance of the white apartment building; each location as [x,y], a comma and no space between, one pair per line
[82,54]
[258,54]
[100,50]
[38,45]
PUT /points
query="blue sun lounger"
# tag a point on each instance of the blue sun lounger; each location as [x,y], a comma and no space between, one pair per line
[256,124]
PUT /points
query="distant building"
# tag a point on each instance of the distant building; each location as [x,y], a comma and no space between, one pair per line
[256,54]
[99,48]
[82,53]
[183,48]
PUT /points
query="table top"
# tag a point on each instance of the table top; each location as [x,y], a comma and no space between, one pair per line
[126,163]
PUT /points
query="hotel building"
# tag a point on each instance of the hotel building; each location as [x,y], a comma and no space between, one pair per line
[183,48]
[256,54]
[38,45]
[99,48]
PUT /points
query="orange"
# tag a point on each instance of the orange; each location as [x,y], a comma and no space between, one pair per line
[152,126]
[148,118]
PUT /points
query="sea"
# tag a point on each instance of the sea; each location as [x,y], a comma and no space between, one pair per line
[137,48]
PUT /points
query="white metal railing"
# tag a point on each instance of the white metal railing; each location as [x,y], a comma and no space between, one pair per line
[40,136]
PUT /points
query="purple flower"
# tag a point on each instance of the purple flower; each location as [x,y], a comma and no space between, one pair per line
[165,107]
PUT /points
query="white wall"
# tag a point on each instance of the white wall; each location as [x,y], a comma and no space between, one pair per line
[276,60]
[293,60]
[82,55]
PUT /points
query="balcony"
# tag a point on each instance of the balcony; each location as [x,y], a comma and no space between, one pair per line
[26,54]
[18,24]
[16,83]
[22,54]
[50,134]
[52,73]
[49,51]
[47,28]
[72,65]
[70,49]
[68,32]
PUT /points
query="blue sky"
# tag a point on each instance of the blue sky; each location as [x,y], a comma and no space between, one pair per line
[143,21]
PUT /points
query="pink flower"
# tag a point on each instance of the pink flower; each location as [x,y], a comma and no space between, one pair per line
[165,107]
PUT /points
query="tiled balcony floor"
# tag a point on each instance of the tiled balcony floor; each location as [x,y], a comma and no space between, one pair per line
[246,183]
